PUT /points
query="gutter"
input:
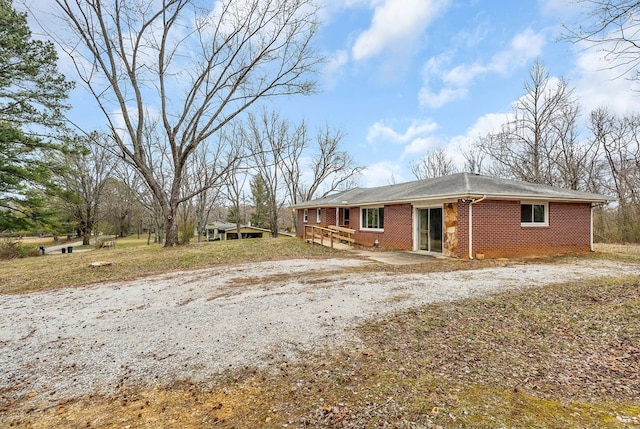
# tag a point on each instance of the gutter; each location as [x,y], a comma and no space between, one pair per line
[467,196]
[471,203]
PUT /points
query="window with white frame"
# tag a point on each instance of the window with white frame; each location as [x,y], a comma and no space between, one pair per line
[534,214]
[372,218]
[318,215]
[305,215]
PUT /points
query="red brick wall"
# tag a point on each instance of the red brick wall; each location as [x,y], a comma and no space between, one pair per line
[398,228]
[327,217]
[497,231]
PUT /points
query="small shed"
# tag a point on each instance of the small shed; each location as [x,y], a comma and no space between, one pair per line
[229,231]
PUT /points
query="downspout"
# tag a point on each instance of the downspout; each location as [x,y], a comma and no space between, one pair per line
[337,216]
[472,202]
[591,230]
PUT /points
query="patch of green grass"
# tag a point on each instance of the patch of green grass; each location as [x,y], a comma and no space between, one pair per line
[132,258]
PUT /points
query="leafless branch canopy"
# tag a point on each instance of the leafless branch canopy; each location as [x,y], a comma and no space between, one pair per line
[613,26]
[178,72]
[434,164]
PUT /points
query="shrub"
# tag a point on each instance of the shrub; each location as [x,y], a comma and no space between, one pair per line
[11,248]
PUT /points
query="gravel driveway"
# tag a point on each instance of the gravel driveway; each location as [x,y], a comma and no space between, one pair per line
[192,325]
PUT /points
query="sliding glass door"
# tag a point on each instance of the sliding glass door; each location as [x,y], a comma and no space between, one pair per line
[430,229]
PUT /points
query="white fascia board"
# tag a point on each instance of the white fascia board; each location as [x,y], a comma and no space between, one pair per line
[456,197]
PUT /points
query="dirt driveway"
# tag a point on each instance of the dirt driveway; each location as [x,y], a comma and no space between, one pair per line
[192,325]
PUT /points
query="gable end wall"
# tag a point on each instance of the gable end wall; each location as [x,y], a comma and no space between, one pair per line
[497,231]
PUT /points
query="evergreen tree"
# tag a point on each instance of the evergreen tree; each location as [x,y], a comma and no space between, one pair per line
[32,95]
[260,195]
[233,215]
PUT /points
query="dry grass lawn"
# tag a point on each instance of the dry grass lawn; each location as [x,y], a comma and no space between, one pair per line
[132,258]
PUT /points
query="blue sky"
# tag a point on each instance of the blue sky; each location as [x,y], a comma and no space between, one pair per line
[404,77]
[407,76]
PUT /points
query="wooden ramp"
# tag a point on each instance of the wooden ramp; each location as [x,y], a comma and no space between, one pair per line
[336,237]
[334,245]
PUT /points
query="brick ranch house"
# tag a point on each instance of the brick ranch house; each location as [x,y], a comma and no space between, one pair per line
[463,215]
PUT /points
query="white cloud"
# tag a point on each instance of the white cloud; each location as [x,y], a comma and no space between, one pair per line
[597,84]
[431,99]
[489,123]
[523,48]
[420,145]
[464,74]
[333,68]
[395,24]
[380,132]
[382,173]
[417,138]
[561,9]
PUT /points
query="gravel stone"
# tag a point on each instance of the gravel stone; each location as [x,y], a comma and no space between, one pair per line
[193,325]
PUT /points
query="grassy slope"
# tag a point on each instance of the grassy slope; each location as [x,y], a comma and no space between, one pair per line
[133,258]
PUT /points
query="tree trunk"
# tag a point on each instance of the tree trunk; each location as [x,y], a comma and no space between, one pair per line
[85,229]
[274,219]
[171,226]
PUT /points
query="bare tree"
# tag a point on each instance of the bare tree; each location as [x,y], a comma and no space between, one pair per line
[473,159]
[327,169]
[292,168]
[527,147]
[130,193]
[120,211]
[613,26]
[236,180]
[333,169]
[434,164]
[619,139]
[206,171]
[89,168]
[576,162]
[268,141]
[187,71]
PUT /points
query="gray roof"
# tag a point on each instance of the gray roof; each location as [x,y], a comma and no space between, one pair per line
[461,185]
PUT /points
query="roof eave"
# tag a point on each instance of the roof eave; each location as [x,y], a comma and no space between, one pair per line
[464,196]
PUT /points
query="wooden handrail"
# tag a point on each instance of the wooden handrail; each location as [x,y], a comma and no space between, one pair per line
[333,233]
[342,229]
